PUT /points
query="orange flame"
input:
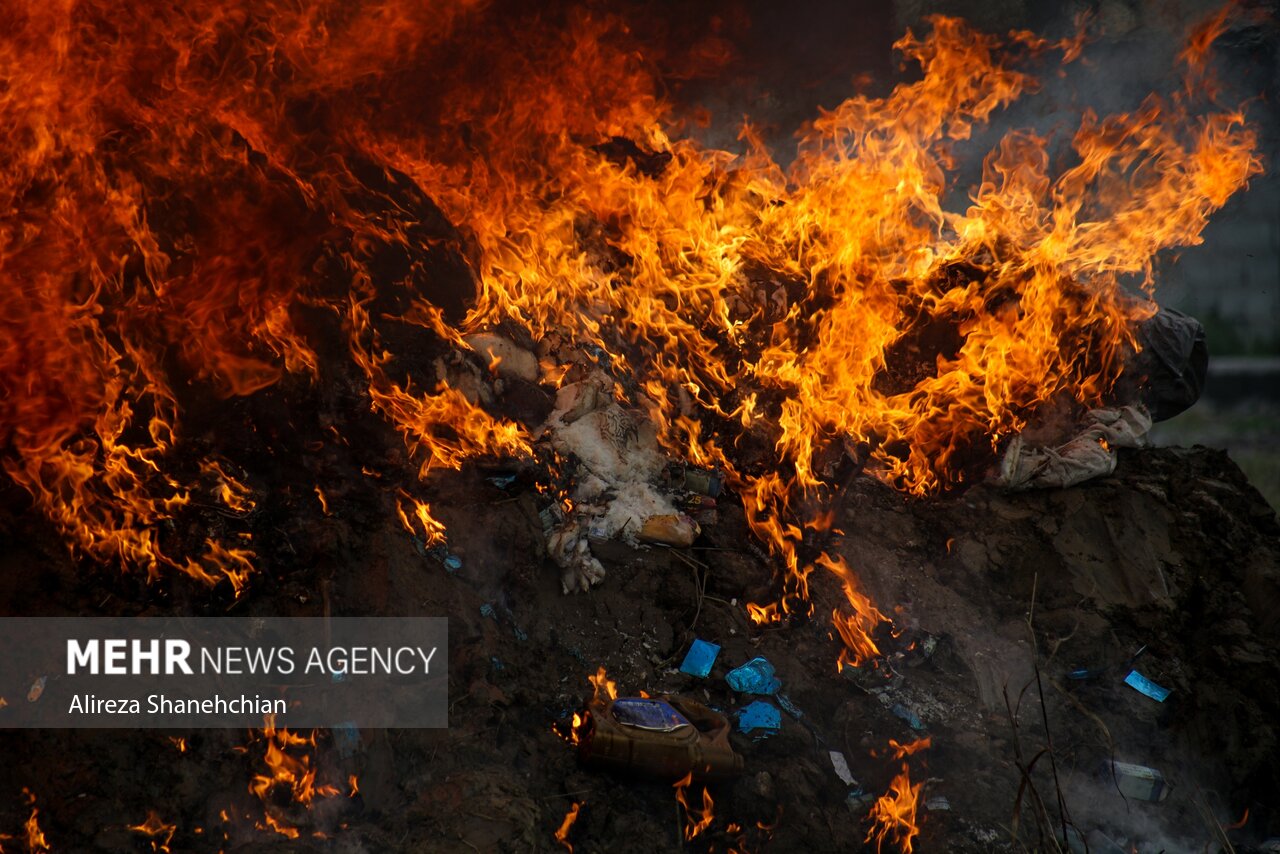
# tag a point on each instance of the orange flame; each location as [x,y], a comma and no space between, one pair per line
[901,751]
[35,836]
[291,768]
[1236,825]
[763,615]
[428,527]
[694,827]
[562,834]
[603,687]
[155,827]
[855,629]
[894,814]
[275,825]
[170,173]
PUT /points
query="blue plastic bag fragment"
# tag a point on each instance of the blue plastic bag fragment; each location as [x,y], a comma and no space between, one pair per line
[645,713]
[698,661]
[1142,684]
[451,561]
[754,677]
[912,719]
[486,610]
[760,715]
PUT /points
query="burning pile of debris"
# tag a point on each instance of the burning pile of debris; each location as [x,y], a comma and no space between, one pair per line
[280,307]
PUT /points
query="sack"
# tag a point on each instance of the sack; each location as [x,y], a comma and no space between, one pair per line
[1171,366]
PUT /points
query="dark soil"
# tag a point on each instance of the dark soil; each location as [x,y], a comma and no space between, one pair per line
[1176,552]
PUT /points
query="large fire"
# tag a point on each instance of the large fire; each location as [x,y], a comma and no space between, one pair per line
[188,187]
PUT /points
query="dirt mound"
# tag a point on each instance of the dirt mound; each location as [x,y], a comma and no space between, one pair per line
[1175,553]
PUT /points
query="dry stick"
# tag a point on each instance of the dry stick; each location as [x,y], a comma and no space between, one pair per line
[1063,813]
[1017,755]
[1111,746]
[1026,785]
[1202,806]
[679,553]
[566,795]
[1025,770]
[699,585]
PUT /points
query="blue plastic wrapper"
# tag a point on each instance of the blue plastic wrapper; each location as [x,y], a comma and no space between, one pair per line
[912,719]
[698,661]
[1142,684]
[346,738]
[451,561]
[486,610]
[760,716]
[644,713]
[754,677]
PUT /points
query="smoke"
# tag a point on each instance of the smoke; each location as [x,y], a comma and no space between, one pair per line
[1108,823]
